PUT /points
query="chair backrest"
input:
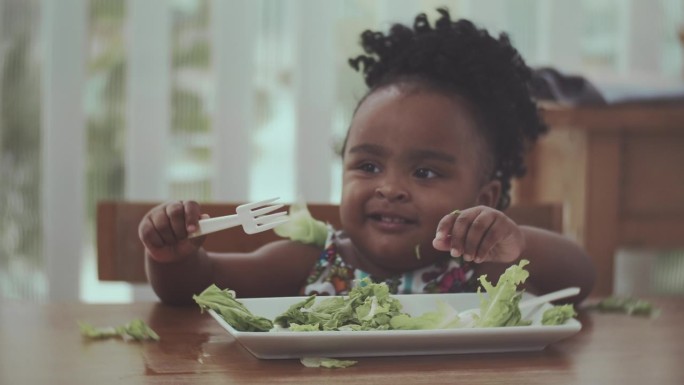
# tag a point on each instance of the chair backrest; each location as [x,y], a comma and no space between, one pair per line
[120,252]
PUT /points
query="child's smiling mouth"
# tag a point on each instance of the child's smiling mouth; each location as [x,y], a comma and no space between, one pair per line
[390,222]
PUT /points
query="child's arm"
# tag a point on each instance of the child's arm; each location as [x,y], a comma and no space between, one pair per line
[178,267]
[493,241]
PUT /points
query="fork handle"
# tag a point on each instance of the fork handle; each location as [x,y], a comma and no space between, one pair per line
[212,225]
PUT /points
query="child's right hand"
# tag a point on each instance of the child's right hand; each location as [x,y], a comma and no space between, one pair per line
[164,231]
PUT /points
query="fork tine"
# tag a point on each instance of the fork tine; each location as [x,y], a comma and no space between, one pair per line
[252,205]
[271,225]
[266,210]
[264,219]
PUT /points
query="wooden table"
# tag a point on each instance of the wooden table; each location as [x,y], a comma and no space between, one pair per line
[40,344]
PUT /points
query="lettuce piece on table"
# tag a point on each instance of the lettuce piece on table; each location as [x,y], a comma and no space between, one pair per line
[500,306]
[627,305]
[231,310]
[136,330]
[323,362]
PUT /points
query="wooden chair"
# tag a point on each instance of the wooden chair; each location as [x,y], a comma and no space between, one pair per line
[120,252]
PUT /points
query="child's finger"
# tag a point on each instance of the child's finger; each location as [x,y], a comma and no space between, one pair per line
[162,224]
[192,216]
[149,235]
[442,239]
[459,231]
[176,213]
[476,233]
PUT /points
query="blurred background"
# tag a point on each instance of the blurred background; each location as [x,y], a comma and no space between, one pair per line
[230,100]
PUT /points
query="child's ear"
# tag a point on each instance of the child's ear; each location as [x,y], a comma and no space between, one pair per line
[489,193]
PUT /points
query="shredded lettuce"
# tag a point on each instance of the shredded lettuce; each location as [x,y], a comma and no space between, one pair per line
[369,306]
[304,328]
[446,317]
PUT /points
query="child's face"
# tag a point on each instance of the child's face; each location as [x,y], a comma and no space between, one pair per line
[411,157]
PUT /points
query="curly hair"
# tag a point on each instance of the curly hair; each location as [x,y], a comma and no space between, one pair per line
[457,58]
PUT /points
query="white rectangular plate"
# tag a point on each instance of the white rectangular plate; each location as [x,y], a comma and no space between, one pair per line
[270,345]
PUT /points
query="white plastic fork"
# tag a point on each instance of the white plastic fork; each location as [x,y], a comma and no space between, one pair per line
[251,216]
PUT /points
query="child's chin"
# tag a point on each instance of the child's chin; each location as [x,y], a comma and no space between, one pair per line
[399,262]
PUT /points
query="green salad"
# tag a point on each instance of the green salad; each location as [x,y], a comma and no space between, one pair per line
[370,306]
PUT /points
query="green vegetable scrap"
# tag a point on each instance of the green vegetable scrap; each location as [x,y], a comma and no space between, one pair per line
[235,313]
[369,306]
[302,227]
[137,330]
[500,306]
[626,305]
[446,317]
[558,315]
[322,362]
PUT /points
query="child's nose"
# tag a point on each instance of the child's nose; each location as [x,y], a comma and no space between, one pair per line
[391,191]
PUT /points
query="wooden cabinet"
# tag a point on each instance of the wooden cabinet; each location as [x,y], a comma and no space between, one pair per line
[619,171]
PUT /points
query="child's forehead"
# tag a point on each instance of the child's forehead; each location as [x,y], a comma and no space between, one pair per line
[416,112]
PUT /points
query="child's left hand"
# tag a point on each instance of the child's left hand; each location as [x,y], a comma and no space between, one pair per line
[480,234]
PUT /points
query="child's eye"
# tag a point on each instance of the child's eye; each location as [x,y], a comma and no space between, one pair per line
[369,167]
[425,173]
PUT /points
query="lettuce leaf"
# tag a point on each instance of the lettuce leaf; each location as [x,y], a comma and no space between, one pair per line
[231,310]
[500,306]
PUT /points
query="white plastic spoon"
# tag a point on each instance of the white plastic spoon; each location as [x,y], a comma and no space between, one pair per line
[550,297]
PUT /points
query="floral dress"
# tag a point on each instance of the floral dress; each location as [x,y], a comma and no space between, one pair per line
[333,276]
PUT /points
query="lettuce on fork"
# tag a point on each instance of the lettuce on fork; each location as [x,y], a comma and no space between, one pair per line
[302,227]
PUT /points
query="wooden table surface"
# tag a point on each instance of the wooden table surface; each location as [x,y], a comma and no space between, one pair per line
[41,344]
